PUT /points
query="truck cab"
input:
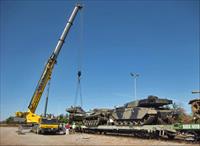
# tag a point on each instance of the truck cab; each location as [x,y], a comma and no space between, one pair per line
[46,125]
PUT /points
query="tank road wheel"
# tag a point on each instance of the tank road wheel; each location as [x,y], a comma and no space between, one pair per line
[125,123]
[121,123]
[118,123]
[148,120]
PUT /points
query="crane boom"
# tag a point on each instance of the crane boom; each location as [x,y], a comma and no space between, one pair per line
[30,115]
[66,30]
[46,75]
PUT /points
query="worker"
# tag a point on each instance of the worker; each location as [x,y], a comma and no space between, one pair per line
[72,130]
[67,127]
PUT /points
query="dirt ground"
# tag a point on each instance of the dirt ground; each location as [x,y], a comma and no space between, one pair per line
[8,136]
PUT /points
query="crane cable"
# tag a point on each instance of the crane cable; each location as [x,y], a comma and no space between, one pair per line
[78,90]
[78,93]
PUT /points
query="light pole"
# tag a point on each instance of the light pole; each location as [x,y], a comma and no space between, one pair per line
[134,75]
[195,91]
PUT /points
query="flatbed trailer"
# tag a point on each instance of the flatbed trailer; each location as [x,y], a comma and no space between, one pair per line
[147,131]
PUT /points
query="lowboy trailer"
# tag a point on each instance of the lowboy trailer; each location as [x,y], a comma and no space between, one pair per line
[190,131]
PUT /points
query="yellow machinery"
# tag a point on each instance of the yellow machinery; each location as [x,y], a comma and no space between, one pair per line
[30,116]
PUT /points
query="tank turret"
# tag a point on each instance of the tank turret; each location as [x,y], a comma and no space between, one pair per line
[76,114]
[75,109]
[154,101]
[151,101]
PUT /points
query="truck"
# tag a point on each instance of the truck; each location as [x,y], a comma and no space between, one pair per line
[41,124]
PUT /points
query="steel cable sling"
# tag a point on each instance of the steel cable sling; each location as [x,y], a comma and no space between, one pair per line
[78,93]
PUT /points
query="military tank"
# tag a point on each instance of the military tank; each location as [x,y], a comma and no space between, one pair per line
[97,117]
[76,114]
[152,110]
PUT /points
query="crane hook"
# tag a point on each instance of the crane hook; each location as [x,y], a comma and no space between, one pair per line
[79,75]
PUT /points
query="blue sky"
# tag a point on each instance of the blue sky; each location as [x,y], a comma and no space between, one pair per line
[157,39]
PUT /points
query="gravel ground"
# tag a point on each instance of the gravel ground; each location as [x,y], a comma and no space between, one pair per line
[8,136]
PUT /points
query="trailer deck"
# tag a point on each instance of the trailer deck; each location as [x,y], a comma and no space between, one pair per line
[191,131]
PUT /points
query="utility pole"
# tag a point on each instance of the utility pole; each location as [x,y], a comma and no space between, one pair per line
[135,76]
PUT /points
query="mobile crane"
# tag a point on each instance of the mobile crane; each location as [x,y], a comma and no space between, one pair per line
[37,122]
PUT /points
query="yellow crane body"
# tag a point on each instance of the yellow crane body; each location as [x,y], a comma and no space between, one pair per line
[30,116]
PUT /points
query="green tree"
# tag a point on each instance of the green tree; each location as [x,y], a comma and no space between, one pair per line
[182,116]
[63,118]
